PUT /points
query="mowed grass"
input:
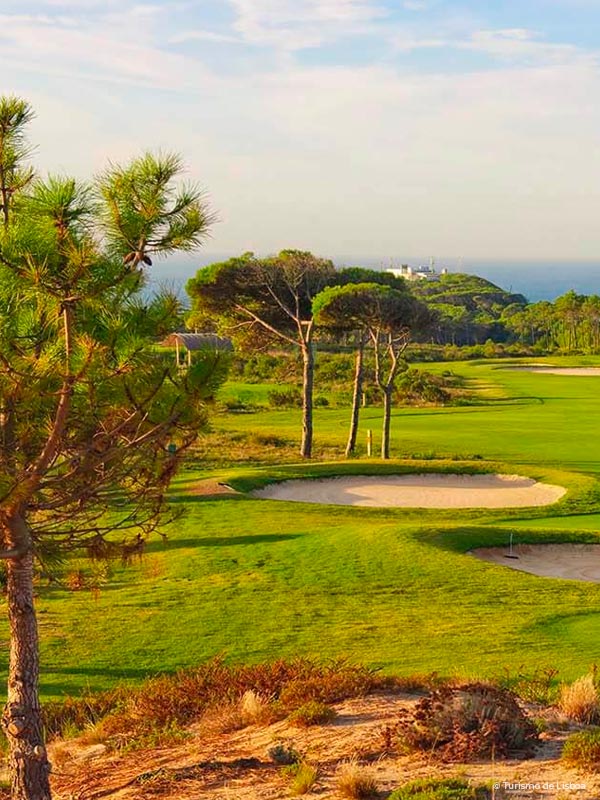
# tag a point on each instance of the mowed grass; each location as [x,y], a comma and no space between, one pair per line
[395,589]
[525,417]
[257,580]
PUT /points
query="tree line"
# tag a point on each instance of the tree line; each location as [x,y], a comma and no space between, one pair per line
[291,298]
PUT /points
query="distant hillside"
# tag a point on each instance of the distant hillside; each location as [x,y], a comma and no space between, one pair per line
[469,308]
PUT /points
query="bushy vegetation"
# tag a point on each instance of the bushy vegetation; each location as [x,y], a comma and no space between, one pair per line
[465,723]
[314,712]
[355,782]
[580,700]
[582,750]
[123,716]
[302,777]
[441,789]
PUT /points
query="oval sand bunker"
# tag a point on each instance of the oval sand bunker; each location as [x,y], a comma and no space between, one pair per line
[578,562]
[573,371]
[417,491]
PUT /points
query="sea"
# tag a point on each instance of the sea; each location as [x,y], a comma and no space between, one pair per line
[536,280]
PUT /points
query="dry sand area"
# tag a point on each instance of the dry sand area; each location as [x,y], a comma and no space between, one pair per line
[580,371]
[577,562]
[235,765]
[417,491]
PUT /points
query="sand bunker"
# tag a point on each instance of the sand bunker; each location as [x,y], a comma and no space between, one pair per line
[577,562]
[589,371]
[417,491]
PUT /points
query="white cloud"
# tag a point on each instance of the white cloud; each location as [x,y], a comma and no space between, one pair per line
[500,161]
[202,36]
[514,43]
[118,47]
[507,44]
[415,5]
[297,24]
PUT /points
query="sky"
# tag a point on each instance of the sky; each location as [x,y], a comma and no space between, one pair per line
[374,128]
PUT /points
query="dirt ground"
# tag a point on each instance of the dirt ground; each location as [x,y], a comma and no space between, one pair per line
[236,765]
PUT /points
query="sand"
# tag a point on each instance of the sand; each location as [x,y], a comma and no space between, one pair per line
[417,491]
[577,562]
[581,371]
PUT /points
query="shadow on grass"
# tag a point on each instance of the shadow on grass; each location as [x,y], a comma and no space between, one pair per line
[464,539]
[182,497]
[219,541]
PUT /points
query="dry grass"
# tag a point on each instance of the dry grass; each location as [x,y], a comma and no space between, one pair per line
[303,778]
[580,700]
[256,709]
[355,782]
[237,695]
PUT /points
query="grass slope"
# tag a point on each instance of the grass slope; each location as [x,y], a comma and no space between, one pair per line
[396,589]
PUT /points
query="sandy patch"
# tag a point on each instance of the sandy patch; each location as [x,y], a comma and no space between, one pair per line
[576,562]
[210,487]
[581,371]
[235,766]
[417,491]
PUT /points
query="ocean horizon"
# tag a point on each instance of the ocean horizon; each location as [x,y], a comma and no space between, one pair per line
[535,279]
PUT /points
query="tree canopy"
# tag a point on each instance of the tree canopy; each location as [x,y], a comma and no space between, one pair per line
[93,418]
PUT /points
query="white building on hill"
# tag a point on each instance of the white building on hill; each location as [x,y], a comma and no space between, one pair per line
[428,273]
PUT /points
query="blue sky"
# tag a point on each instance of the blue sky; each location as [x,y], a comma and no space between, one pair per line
[363,127]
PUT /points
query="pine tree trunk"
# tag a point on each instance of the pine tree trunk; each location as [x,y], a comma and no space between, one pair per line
[307,400]
[387,416]
[356,400]
[22,719]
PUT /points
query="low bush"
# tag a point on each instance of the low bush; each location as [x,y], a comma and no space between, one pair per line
[312,713]
[355,782]
[255,709]
[582,750]
[285,398]
[284,752]
[418,386]
[168,700]
[465,723]
[445,789]
[580,700]
[536,687]
[302,777]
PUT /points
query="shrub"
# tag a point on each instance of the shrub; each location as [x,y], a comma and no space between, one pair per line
[321,401]
[418,386]
[213,687]
[582,750]
[446,789]
[302,777]
[238,405]
[466,722]
[328,684]
[285,398]
[284,753]
[537,687]
[312,713]
[355,782]
[580,700]
[255,709]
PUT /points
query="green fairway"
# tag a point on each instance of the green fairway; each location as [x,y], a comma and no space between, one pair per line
[257,579]
[534,418]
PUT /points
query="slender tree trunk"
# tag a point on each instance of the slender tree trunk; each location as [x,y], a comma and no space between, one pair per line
[356,398]
[308,359]
[387,417]
[22,719]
